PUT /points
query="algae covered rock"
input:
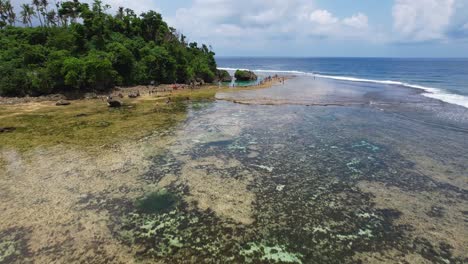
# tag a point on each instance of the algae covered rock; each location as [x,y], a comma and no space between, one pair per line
[224,76]
[243,75]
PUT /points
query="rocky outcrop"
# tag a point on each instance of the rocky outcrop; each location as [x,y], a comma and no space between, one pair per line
[224,76]
[242,75]
[62,102]
[200,81]
[90,96]
[134,95]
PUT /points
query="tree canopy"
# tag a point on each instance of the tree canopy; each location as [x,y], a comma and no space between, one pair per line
[82,47]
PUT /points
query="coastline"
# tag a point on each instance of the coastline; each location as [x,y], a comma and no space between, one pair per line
[431,92]
[90,123]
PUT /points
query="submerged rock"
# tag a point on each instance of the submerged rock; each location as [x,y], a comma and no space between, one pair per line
[157,202]
[242,75]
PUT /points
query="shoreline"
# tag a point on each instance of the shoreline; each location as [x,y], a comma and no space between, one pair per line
[162,90]
[440,94]
[91,124]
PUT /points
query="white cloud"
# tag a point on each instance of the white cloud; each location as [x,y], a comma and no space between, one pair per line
[265,21]
[357,21]
[322,17]
[422,20]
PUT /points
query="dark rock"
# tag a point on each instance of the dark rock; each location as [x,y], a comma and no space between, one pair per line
[224,76]
[62,102]
[114,102]
[200,81]
[436,211]
[7,129]
[242,75]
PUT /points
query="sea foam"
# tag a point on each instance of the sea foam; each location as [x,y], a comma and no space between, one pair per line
[430,92]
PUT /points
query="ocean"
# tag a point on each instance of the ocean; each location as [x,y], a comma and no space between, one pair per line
[442,79]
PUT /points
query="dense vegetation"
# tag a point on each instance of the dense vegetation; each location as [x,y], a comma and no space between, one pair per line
[243,75]
[81,47]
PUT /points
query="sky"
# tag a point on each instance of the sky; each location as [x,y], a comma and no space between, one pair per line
[310,28]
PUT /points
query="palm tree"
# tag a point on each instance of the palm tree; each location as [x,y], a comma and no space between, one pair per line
[120,13]
[37,4]
[26,14]
[51,17]
[10,13]
[44,4]
[3,13]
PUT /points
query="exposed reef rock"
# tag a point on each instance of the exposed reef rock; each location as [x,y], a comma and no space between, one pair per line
[242,75]
[224,76]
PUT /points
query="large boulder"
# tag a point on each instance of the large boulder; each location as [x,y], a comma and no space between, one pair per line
[224,76]
[242,75]
[7,129]
[114,102]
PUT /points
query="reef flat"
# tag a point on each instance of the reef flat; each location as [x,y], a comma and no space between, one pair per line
[382,181]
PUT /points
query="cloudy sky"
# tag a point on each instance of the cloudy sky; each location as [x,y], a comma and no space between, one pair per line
[390,28]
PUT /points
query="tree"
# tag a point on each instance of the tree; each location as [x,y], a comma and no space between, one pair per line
[83,47]
[73,72]
[51,18]
[45,12]
[3,14]
[153,27]
[27,13]
[99,72]
[37,4]
[122,60]
[11,13]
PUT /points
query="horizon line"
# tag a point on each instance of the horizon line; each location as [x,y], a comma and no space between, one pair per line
[334,57]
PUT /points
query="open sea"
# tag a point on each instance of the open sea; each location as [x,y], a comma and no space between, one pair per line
[443,79]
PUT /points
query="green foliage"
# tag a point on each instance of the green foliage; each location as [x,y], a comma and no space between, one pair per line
[81,47]
[242,75]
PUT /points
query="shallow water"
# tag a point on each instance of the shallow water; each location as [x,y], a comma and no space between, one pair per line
[291,181]
[313,171]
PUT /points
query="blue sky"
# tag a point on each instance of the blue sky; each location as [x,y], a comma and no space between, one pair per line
[360,28]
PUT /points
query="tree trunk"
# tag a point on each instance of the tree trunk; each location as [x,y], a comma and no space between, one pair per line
[39,15]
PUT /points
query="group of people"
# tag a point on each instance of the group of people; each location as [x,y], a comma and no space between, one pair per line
[272,78]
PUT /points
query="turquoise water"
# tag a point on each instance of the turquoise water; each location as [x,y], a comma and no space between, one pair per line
[443,79]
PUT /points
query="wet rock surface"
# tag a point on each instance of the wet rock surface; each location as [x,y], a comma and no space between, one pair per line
[309,205]
[273,184]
